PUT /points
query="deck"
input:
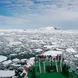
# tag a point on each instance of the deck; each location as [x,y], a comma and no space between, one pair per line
[57,75]
[35,71]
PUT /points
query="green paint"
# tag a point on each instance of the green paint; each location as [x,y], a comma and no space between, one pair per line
[34,71]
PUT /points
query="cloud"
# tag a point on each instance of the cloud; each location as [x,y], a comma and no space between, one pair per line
[32,13]
[37,6]
[12,22]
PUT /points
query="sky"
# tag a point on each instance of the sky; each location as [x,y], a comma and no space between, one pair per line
[27,14]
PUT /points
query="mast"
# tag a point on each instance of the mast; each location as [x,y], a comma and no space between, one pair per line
[44,67]
[56,65]
[39,66]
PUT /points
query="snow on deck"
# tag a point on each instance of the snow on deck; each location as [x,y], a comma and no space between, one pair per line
[2,58]
[6,73]
[52,53]
[30,61]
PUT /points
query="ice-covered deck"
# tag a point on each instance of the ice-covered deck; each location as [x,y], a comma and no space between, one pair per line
[52,53]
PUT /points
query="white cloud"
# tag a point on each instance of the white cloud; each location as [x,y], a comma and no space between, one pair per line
[12,22]
[29,13]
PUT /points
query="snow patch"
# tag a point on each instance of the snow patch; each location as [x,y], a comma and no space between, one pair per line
[6,73]
[48,46]
[70,50]
[7,62]
[15,60]
[76,56]
[14,43]
[38,50]
[2,58]
[48,28]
